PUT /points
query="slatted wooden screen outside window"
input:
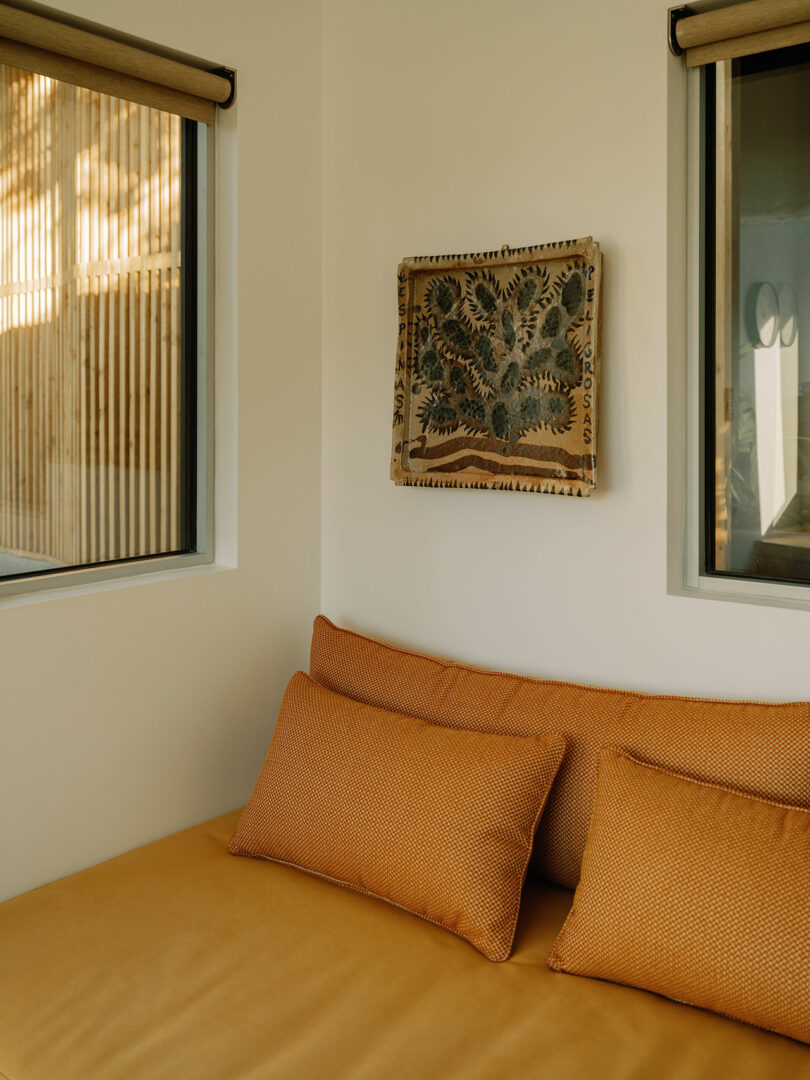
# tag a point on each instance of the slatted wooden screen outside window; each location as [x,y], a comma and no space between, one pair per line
[90,394]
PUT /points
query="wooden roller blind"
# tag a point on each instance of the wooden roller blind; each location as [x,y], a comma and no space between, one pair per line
[743,29]
[97,62]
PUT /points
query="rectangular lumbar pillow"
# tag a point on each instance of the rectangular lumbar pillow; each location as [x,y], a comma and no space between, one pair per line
[435,821]
[757,747]
[697,892]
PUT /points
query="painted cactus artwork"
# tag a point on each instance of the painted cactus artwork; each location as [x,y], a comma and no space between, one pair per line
[497,369]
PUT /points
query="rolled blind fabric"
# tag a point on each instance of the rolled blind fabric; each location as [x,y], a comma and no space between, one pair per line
[100,63]
[743,29]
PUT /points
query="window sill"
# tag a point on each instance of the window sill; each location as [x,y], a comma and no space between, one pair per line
[65,584]
[762,593]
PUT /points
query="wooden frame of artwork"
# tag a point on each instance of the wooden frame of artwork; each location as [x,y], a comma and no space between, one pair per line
[497,369]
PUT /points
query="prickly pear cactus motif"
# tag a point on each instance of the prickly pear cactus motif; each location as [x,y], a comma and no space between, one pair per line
[496,369]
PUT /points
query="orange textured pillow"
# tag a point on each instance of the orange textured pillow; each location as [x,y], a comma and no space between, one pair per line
[695,891]
[753,746]
[435,821]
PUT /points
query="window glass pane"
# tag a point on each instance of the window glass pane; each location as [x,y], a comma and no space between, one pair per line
[93,391]
[758,505]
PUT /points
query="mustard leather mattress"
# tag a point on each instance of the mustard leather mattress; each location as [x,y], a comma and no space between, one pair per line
[178,960]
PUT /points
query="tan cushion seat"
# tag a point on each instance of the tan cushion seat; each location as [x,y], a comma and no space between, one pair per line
[178,961]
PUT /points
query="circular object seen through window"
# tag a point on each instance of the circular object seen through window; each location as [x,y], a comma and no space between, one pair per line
[788,321]
[766,315]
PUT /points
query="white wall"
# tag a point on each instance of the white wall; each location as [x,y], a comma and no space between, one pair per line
[461,125]
[132,712]
[448,125]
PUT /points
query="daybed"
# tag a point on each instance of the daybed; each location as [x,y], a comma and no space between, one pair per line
[179,960]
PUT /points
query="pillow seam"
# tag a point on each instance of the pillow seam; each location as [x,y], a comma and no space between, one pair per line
[730,789]
[642,695]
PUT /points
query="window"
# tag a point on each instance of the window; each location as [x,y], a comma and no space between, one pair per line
[757,320]
[97,384]
[103,151]
[744,486]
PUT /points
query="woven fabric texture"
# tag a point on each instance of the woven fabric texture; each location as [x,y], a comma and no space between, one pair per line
[435,821]
[697,892]
[759,748]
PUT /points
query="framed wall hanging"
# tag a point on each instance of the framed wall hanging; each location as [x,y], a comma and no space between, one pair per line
[497,369]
